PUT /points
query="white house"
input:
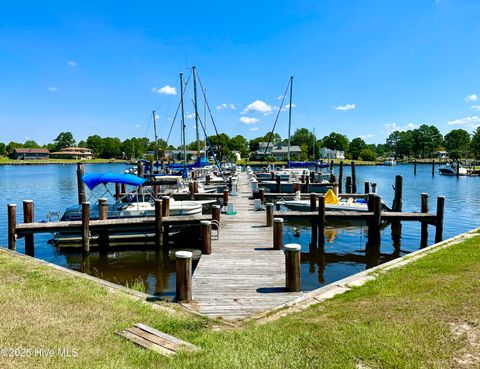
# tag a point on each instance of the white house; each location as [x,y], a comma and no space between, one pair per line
[331,154]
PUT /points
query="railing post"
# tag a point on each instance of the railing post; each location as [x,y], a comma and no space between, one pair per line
[439,220]
[278,233]
[269,212]
[292,267]
[183,276]
[158,222]
[86,227]
[28,217]
[206,234]
[12,226]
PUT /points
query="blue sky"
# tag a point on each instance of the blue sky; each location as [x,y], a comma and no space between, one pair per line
[362,68]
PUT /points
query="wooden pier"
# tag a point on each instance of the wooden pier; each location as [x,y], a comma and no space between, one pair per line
[243,275]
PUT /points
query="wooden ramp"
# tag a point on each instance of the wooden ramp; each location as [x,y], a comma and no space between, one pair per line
[243,275]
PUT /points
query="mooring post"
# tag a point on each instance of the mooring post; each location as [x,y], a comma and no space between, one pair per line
[12,226]
[158,222]
[150,168]
[261,194]
[331,166]
[124,189]
[155,190]
[206,235]
[332,178]
[272,175]
[295,187]
[312,177]
[307,184]
[458,168]
[278,181]
[277,233]
[374,187]
[433,167]
[165,213]
[348,185]
[269,212]
[335,188]
[191,190]
[86,227]
[313,201]
[117,191]
[397,200]
[354,178]
[424,225]
[80,185]
[340,177]
[140,169]
[28,217]
[195,187]
[225,197]
[292,267]
[216,213]
[439,220]
[415,167]
[207,178]
[183,276]
[165,206]
[103,238]
[321,217]
[367,187]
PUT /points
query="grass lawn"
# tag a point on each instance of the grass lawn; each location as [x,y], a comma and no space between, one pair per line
[423,315]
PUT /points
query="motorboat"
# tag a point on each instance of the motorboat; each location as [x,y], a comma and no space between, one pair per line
[332,203]
[390,162]
[452,169]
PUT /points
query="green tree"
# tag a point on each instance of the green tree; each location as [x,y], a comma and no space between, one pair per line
[3,149]
[11,146]
[368,155]
[111,148]
[425,139]
[240,144]
[475,143]
[356,147]
[31,144]
[303,136]
[95,143]
[219,145]
[335,141]
[457,140]
[63,140]
[400,143]
[272,138]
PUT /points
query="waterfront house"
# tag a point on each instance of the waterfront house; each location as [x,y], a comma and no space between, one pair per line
[73,153]
[30,154]
[326,153]
[278,152]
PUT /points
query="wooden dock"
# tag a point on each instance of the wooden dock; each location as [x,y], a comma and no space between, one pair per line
[243,275]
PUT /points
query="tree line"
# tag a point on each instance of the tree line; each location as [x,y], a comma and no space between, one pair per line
[422,142]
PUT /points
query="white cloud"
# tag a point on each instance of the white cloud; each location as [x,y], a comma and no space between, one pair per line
[72,63]
[471,97]
[469,122]
[475,107]
[286,107]
[258,105]
[157,117]
[52,89]
[253,129]
[280,97]
[248,120]
[346,107]
[225,106]
[190,115]
[367,136]
[392,127]
[165,90]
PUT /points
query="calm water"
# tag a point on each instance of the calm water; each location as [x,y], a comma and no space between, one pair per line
[53,188]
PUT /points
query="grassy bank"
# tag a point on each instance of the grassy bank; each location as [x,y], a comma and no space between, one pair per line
[8,161]
[423,315]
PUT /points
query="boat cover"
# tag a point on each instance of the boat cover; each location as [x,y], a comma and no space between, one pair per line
[92,180]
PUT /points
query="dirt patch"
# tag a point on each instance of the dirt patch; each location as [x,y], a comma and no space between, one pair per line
[468,333]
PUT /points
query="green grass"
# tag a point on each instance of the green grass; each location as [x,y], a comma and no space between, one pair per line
[423,315]
[5,160]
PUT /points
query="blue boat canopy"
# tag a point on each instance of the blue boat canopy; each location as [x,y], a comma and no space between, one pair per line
[92,180]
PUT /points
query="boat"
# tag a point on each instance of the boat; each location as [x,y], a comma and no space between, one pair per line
[452,169]
[332,203]
[390,161]
[132,204]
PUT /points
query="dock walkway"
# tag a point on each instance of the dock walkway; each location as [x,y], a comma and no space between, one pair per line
[243,275]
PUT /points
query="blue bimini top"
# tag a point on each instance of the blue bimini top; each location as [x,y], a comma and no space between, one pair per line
[92,180]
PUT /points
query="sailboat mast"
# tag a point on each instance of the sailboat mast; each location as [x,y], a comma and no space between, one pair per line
[155,132]
[194,72]
[183,122]
[205,120]
[290,117]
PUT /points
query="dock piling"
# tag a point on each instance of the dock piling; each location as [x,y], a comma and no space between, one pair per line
[12,225]
[277,233]
[415,167]
[80,185]
[367,187]
[424,225]
[433,167]
[183,276]
[269,212]
[158,222]
[340,177]
[335,188]
[261,193]
[216,213]
[374,187]
[321,217]
[86,227]
[103,215]
[354,178]
[165,213]
[225,197]
[117,191]
[278,181]
[397,200]
[313,201]
[292,267]
[348,184]
[28,217]
[140,169]
[206,235]
[439,220]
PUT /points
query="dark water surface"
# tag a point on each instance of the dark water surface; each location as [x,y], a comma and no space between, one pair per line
[53,188]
